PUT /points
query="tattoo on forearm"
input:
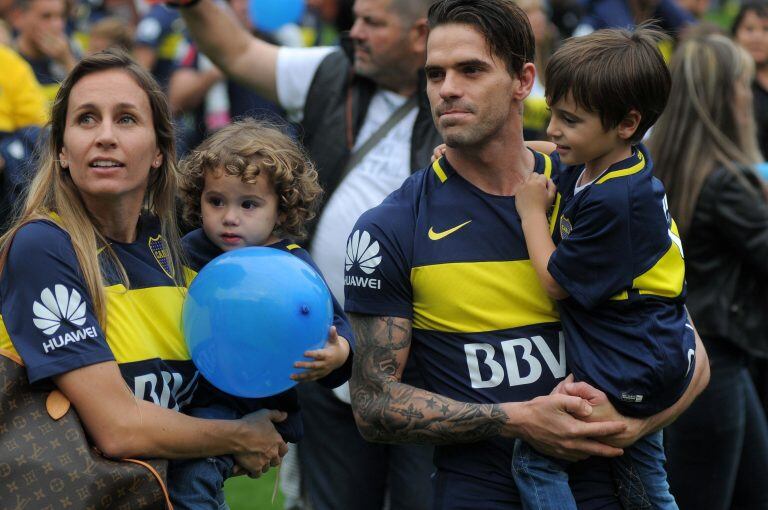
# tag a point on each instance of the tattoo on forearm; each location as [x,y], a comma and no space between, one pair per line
[390,411]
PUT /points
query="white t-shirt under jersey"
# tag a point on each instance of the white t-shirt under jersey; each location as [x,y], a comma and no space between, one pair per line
[380,172]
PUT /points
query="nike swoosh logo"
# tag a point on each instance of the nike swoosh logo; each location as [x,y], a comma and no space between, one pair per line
[436,236]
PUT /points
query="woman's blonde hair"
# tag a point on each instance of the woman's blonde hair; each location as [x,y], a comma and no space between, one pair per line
[245,149]
[53,191]
[701,130]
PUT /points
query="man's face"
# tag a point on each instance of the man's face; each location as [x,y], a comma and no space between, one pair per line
[383,43]
[43,17]
[471,92]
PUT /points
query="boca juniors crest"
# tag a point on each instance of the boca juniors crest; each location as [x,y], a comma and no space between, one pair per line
[160,251]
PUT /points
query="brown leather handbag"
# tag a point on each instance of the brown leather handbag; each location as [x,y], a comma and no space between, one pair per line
[46,462]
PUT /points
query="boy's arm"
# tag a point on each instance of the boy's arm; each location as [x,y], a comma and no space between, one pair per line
[532,200]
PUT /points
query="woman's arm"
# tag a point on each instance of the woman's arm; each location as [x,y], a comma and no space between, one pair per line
[121,425]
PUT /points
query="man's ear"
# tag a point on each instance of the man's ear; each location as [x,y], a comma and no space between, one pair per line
[629,124]
[419,33]
[524,80]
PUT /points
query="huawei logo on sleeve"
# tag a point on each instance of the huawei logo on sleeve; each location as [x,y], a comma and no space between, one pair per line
[55,307]
[363,252]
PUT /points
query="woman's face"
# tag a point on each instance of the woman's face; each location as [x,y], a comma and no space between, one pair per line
[109,139]
[752,35]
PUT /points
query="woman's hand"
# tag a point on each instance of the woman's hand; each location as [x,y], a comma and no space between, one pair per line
[265,447]
[327,359]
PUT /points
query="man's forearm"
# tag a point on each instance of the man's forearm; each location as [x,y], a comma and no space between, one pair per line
[216,33]
[387,410]
[399,413]
[699,381]
[236,52]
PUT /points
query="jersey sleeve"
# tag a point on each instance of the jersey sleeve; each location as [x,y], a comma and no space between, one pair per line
[593,262]
[46,307]
[377,264]
[343,328]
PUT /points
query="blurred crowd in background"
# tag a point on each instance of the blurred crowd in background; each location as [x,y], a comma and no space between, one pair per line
[41,41]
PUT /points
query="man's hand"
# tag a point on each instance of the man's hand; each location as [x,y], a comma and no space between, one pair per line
[535,195]
[603,410]
[554,425]
[267,447]
[56,47]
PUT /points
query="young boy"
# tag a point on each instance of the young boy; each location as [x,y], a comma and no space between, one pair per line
[249,184]
[617,270]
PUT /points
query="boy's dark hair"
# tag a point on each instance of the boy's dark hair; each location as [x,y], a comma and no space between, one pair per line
[610,72]
[759,7]
[502,23]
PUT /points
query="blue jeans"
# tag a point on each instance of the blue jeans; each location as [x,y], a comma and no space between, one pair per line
[198,484]
[640,478]
[718,448]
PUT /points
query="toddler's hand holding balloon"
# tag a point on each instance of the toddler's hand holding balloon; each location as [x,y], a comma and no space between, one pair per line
[326,360]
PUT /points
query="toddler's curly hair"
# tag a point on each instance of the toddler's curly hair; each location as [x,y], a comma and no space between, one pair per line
[245,149]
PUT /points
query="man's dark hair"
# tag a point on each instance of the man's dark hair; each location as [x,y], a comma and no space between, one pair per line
[759,7]
[502,23]
[610,72]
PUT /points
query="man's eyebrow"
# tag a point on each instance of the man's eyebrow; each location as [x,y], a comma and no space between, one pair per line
[473,62]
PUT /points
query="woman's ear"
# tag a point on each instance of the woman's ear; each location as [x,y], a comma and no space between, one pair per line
[63,160]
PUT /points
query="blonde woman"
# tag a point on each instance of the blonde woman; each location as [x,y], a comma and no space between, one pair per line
[92,283]
[704,146]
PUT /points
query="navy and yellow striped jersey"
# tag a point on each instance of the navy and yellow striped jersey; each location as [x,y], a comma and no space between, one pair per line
[620,258]
[453,259]
[48,316]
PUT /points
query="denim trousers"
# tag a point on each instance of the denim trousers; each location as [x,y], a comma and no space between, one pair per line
[718,448]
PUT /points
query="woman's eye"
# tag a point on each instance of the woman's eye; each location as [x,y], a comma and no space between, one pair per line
[127,119]
[85,118]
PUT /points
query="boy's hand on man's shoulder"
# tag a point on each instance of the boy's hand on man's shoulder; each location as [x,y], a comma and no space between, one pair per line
[535,195]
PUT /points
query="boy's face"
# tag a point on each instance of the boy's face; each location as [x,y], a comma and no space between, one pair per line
[581,137]
[237,214]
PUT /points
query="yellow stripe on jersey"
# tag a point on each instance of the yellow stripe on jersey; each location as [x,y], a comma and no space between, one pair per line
[553,215]
[145,324]
[439,171]
[556,207]
[5,339]
[169,48]
[474,297]
[623,173]
[292,247]
[667,276]
[547,166]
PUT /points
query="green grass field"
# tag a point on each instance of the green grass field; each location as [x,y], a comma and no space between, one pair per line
[244,493]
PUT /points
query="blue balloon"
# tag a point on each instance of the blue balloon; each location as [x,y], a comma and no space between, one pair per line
[250,314]
[269,15]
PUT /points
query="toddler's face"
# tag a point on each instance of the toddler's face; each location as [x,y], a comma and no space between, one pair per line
[237,214]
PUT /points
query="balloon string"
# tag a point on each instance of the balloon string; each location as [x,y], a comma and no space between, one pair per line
[277,482]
